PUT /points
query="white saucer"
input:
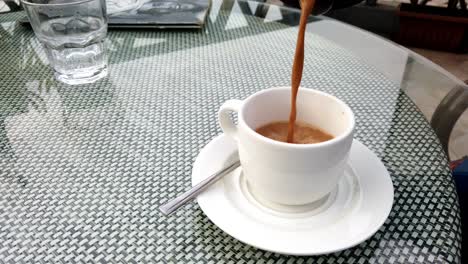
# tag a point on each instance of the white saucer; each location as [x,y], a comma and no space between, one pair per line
[346,217]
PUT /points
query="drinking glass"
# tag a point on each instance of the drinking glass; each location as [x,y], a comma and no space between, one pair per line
[72,33]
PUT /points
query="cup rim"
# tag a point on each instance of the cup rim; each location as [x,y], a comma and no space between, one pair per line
[280,144]
[77,2]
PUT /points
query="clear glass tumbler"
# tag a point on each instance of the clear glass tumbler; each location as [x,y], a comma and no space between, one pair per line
[73,34]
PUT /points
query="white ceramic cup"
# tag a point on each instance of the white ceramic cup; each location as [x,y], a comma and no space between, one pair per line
[283,173]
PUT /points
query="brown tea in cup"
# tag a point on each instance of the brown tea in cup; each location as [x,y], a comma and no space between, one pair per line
[303,133]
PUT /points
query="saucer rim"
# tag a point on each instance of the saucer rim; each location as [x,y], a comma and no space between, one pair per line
[367,235]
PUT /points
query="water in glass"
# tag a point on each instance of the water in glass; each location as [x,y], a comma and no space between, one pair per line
[73,38]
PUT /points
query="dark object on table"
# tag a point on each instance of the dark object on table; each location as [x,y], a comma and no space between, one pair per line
[433,27]
[160,14]
[163,14]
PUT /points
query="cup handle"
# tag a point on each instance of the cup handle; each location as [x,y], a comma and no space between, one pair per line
[228,127]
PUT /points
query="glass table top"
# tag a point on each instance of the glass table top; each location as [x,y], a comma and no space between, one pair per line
[83,169]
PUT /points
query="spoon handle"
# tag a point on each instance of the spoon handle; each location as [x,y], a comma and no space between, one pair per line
[187,196]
